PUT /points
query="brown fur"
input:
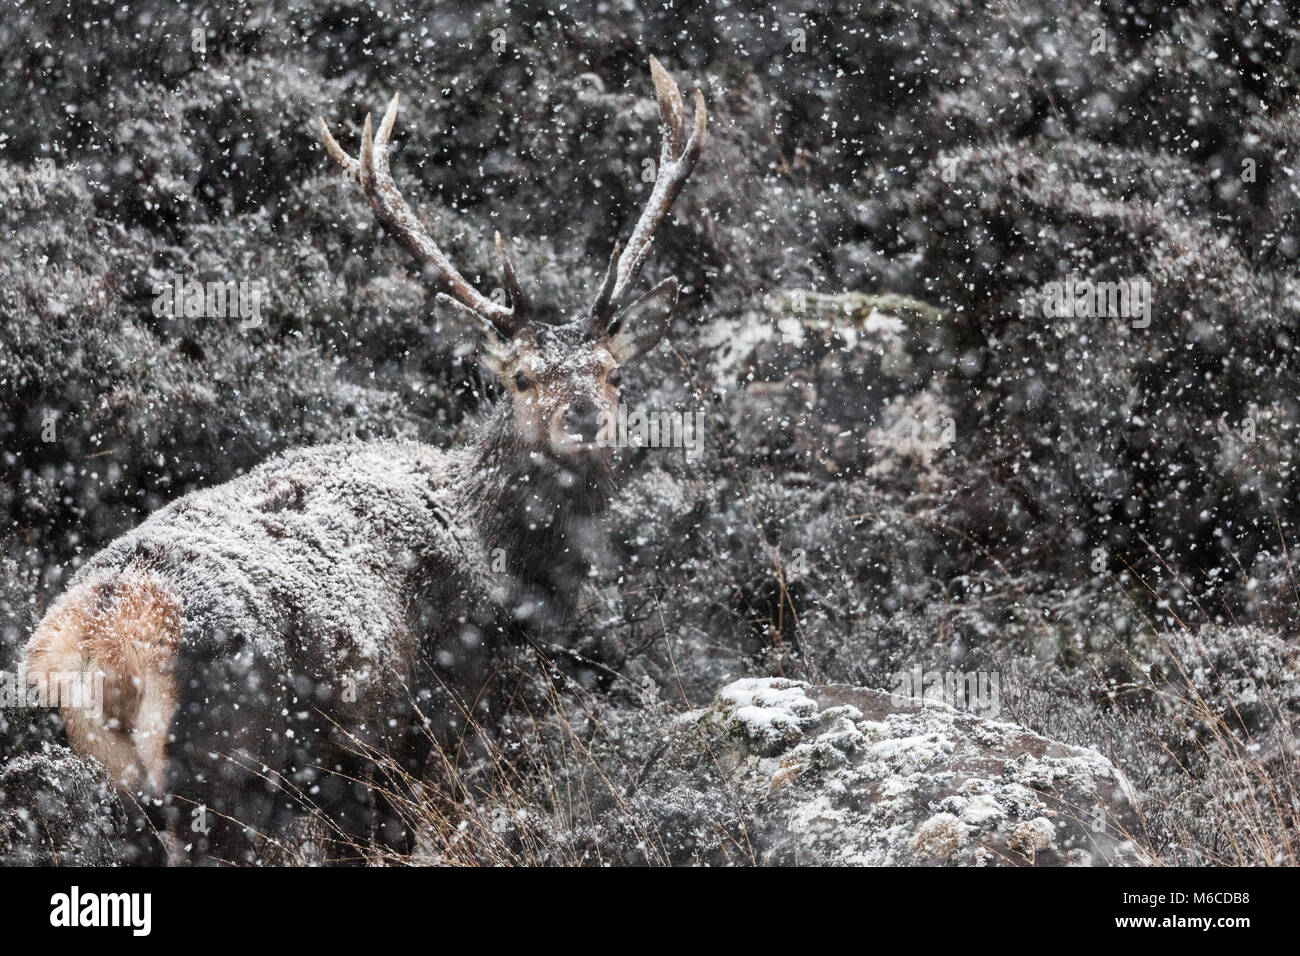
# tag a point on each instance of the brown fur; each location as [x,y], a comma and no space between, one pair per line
[127,627]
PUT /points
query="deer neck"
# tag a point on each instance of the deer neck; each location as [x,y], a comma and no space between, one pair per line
[542,515]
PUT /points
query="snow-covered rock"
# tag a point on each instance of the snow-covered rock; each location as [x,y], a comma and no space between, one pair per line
[59,809]
[847,775]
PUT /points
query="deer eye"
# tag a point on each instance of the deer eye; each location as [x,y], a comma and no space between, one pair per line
[523,382]
[615,378]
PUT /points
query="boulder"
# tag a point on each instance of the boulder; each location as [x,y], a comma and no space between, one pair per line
[59,809]
[779,772]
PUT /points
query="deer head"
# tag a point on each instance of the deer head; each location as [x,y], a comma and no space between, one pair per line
[560,380]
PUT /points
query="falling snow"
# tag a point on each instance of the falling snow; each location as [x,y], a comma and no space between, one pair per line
[912,467]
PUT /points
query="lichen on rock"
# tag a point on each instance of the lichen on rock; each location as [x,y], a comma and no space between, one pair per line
[848,775]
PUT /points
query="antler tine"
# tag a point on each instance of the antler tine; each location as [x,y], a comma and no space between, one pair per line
[677,158]
[513,287]
[672,110]
[349,165]
[600,312]
[371,170]
[390,117]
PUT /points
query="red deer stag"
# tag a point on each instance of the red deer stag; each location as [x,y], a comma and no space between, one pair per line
[257,636]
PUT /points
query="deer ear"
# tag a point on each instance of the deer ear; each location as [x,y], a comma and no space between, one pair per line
[640,326]
[491,358]
[492,352]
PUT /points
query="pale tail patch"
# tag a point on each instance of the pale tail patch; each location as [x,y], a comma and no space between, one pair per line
[125,625]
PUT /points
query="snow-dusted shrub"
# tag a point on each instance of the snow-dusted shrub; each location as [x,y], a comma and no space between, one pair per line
[60,809]
[1091,430]
[961,160]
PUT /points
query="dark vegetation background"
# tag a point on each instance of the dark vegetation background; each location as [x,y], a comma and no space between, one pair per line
[827,533]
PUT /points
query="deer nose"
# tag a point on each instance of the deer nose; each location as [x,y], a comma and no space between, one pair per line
[583,419]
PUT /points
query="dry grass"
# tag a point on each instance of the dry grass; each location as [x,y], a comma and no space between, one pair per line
[1218,793]
[532,799]
[1244,792]
[543,791]
[1235,800]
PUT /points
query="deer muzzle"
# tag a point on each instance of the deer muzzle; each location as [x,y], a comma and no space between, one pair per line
[582,421]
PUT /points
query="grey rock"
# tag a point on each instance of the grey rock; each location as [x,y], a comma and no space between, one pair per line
[59,809]
[844,775]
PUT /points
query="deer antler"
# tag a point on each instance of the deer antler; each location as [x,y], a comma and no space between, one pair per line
[677,157]
[401,223]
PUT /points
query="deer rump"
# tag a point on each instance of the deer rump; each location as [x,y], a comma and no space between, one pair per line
[259,640]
